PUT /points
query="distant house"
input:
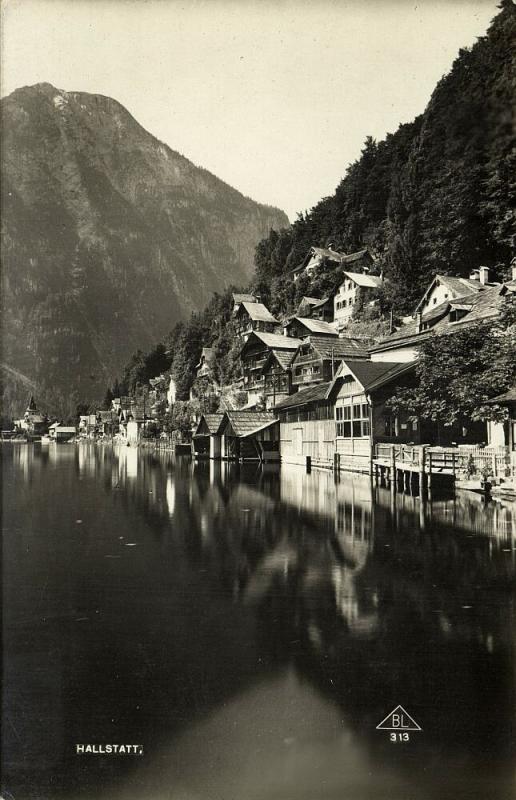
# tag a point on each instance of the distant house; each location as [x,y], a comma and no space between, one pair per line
[253,357]
[107,422]
[204,369]
[316,309]
[300,327]
[61,433]
[318,257]
[33,421]
[251,317]
[446,318]
[347,294]
[318,357]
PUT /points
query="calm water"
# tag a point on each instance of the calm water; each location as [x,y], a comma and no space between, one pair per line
[250,629]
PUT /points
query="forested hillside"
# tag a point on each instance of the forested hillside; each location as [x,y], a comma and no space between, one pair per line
[436,196]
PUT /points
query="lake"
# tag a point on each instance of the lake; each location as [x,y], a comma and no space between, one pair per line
[248,628]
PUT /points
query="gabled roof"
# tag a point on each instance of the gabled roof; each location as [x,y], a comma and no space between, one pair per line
[316,326]
[208,353]
[275,341]
[364,280]
[258,312]
[333,255]
[479,306]
[337,348]
[507,397]
[283,357]
[373,374]
[304,396]
[209,421]
[309,301]
[457,286]
[246,423]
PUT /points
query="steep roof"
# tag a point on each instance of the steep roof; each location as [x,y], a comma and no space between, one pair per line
[316,326]
[304,396]
[338,347]
[245,423]
[333,255]
[479,306]
[275,341]
[258,312]
[364,280]
[211,422]
[457,286]
[283,357]
[507,397]
[349,258]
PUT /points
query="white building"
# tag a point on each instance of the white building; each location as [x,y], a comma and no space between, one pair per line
[347,295]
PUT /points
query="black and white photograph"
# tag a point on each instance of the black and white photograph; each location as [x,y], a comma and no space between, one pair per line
[258,418]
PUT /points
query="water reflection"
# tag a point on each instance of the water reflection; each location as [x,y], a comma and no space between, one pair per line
[251,627]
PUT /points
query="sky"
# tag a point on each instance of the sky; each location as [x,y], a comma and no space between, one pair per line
[276,97]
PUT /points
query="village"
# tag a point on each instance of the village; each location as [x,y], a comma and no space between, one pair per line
[313,394]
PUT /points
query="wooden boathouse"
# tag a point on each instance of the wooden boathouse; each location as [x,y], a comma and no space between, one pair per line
[249,436]
[206,440]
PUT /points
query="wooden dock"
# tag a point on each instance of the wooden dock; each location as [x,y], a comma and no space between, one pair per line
[414,467]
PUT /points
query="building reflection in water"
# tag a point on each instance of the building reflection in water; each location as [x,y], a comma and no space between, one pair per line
[372,599]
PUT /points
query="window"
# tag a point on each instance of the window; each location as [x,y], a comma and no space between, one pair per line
[343,414]
[390,426]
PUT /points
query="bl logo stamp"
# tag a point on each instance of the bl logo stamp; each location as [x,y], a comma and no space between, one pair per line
[399,724]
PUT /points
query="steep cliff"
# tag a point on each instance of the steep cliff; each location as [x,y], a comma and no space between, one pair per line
[109,238]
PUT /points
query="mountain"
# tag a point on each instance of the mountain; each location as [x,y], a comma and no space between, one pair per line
[109,238]
[438,195]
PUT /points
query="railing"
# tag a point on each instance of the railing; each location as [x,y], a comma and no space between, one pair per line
[474,460]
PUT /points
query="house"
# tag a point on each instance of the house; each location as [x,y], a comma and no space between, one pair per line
[33,421]
[107,422]
[206,441]
[360,392]
[300,327]
[307,427]
[254,354]
[251,317]
[249,436]
[58,432]
[321,257]
[448,287]
[315,308]
[355,286]
[504,433]
[204,369]
[318,357]
[450,316]
[277,376]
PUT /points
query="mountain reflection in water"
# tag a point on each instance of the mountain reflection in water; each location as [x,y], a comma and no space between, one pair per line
[250,627]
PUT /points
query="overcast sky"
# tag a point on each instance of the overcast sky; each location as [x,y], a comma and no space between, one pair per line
[274,96]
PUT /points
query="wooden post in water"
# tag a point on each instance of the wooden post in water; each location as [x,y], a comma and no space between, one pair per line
[393,469]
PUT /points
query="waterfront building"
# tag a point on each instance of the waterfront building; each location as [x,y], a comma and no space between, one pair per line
[207,439]
[307,427]
[57,432]
[249,436]
[33,421]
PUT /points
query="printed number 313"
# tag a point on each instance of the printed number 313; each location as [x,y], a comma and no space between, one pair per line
[399,737]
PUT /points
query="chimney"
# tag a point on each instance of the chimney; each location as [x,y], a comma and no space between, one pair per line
[419,321]
[484,275]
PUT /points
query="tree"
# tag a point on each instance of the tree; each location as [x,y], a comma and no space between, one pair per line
[459,373]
